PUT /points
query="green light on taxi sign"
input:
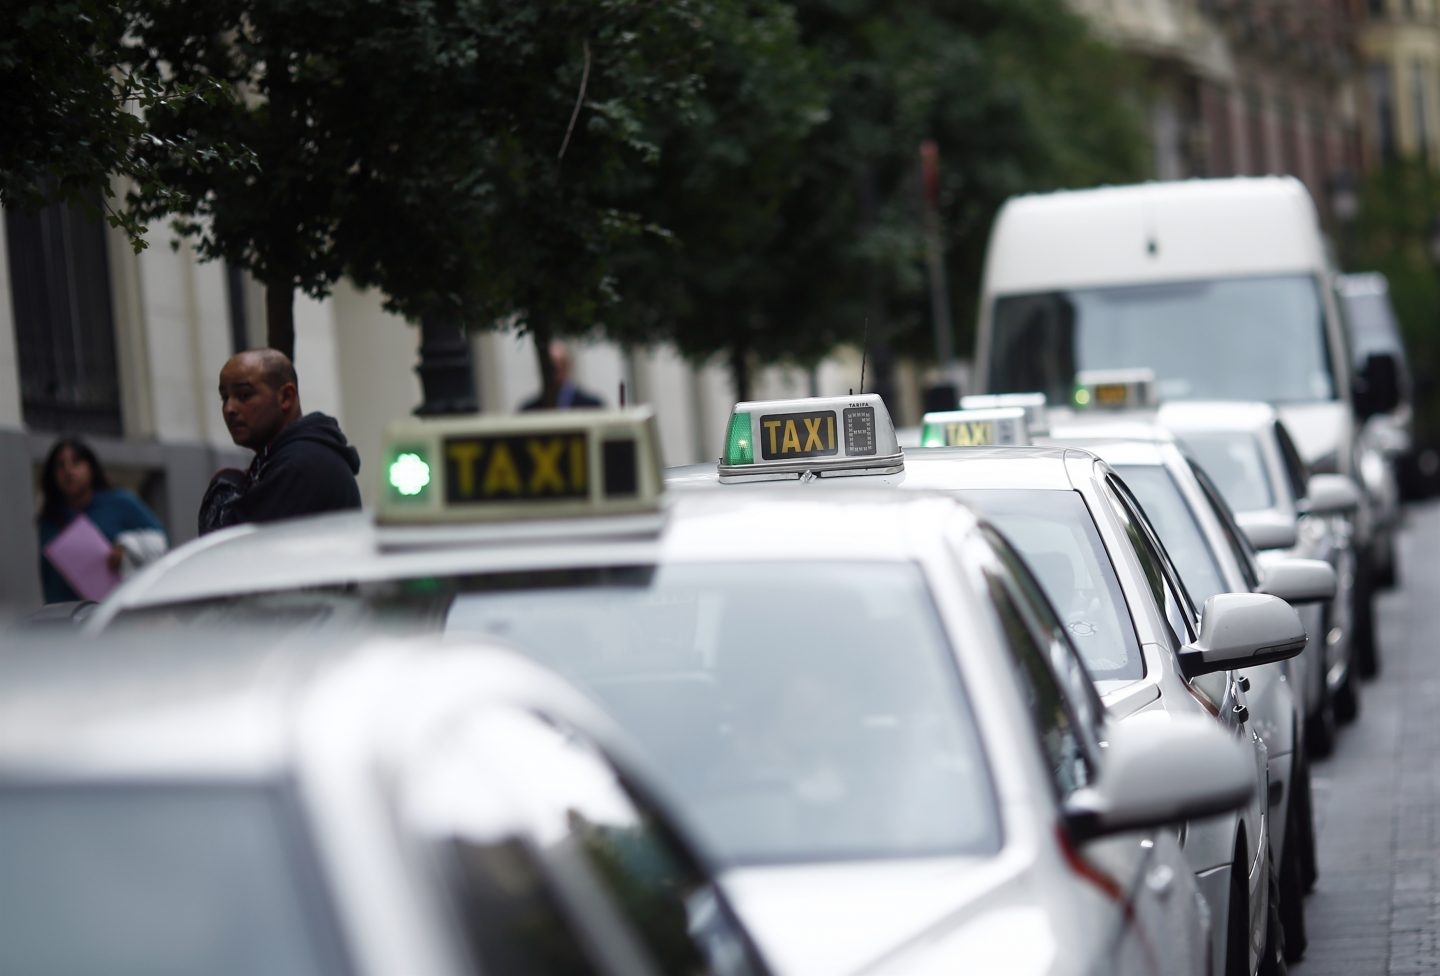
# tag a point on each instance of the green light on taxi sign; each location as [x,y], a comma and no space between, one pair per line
[738,446]
[1082,397]
[409,474]
[932,435]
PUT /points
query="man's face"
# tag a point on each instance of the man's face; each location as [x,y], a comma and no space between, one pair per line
[254,412]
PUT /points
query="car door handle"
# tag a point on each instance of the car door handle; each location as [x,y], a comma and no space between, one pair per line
[1242,714]
[1161,880]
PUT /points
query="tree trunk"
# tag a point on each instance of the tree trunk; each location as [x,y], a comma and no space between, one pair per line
[549,384]
[740,371]
[280,317]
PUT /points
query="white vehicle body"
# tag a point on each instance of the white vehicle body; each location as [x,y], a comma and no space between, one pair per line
[212,803]
[1213,556]
[1039,904]
[1224,241]
[1219,849]
[1247,451]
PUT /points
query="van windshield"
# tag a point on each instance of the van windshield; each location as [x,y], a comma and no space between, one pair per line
[1228,339]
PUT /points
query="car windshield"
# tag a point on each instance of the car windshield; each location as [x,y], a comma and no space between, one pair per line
[1232,339]
[1165,506]
[1372,324]
[1054,534]
[155,880]
[1234,462]
[802,711]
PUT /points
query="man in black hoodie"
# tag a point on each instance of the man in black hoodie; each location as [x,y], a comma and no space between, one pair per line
[303,465]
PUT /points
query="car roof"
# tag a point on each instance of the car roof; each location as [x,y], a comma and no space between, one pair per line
[1158,231]
[351,546]
[925,468]
[1219,415]
[205,705]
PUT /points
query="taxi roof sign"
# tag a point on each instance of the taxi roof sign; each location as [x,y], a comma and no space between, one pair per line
[997,427]
[1116,389]
[772,440]
[545,463]
[1032,403]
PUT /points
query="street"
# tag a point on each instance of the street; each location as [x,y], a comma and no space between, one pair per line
[1376,907]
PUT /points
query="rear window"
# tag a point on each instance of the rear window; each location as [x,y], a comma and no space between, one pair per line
[158,881]
[1055,535]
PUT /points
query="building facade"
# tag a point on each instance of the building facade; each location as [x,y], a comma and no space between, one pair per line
[1245,87]
[125,350]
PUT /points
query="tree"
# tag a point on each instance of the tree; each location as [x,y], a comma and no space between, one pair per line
[75,110]
[463,157]
[793,197]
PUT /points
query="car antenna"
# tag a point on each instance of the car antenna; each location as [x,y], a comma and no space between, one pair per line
[864,350]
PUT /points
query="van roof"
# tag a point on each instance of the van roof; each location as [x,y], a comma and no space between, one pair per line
[1154,232]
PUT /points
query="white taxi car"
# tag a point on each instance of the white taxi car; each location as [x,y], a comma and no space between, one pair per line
[1284,509]
[214,803]
[862,704]
[1213,556]
[1103,569]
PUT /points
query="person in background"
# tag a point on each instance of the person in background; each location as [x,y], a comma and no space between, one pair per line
[567,393]
[73,483]
[303,464]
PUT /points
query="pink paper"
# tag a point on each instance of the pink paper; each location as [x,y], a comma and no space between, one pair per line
[79,553]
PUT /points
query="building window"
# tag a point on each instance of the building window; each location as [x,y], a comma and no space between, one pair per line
[1376,8]
[1383,99]
[64,328]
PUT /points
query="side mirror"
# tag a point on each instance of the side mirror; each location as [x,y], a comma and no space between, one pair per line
[1299,581]
[1377,387]
[1159,770]
[1268,529]
[1329,494]
[1242,630]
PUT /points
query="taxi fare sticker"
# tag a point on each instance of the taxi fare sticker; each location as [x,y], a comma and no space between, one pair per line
[798,435]
[523,467]
[1111,394]
[969,433]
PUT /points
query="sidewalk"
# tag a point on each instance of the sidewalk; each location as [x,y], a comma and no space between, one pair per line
[1376,908]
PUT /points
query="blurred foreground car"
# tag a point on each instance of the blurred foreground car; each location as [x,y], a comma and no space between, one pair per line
[221,805]
[1115,590]
[862,704]
[1246,450]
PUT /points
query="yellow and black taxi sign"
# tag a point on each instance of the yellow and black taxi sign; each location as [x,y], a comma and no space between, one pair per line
[1037,421]
[542,463]
[998,427]
[769,439]
[1116,389]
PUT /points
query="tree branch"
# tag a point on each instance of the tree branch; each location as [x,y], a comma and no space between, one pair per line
[579,100]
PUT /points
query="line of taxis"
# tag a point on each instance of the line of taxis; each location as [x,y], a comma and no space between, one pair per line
[555,708]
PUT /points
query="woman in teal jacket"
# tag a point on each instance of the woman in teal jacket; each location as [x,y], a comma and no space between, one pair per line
[74,483]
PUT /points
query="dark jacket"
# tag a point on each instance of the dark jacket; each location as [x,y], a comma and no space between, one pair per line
[307,469]
[568,395]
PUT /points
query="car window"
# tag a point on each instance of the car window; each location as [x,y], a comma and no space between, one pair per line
[1235,538]
[1056,536]
[1065,660]
[1160,576]
[1164,504]
[586,855]
[1296,470]
[1059,732]
[1234,460]
[162,880]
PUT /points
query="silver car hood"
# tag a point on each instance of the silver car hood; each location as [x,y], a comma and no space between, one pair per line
[1319,429]
[925,915]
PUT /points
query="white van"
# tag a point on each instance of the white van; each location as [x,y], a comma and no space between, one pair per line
[1223,288]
